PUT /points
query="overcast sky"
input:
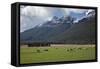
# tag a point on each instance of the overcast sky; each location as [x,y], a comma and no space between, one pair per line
[31,16]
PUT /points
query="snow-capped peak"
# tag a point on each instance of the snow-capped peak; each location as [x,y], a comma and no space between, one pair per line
[90,13]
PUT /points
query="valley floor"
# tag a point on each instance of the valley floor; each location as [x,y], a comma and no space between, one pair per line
[56,53]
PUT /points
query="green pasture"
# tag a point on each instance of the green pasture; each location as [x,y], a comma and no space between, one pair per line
[56,53]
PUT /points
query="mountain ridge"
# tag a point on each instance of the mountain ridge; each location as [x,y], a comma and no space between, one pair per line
[63,30]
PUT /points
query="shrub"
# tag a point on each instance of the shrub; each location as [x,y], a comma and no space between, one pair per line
[38,51]
[46,50]
[80,48]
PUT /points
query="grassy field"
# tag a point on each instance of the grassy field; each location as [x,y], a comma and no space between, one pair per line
[56,53]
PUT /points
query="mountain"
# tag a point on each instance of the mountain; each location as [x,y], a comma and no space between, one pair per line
[62,30]
[90,13]
[83,33]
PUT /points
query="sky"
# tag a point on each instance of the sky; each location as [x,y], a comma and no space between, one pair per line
[31,16]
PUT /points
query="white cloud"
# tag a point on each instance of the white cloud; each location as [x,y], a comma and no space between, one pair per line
[32,16]
[90,10]
[80,11]
[35,15]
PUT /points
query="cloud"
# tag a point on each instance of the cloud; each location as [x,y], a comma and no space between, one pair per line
[90,10]
[32,16]
[79,11]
